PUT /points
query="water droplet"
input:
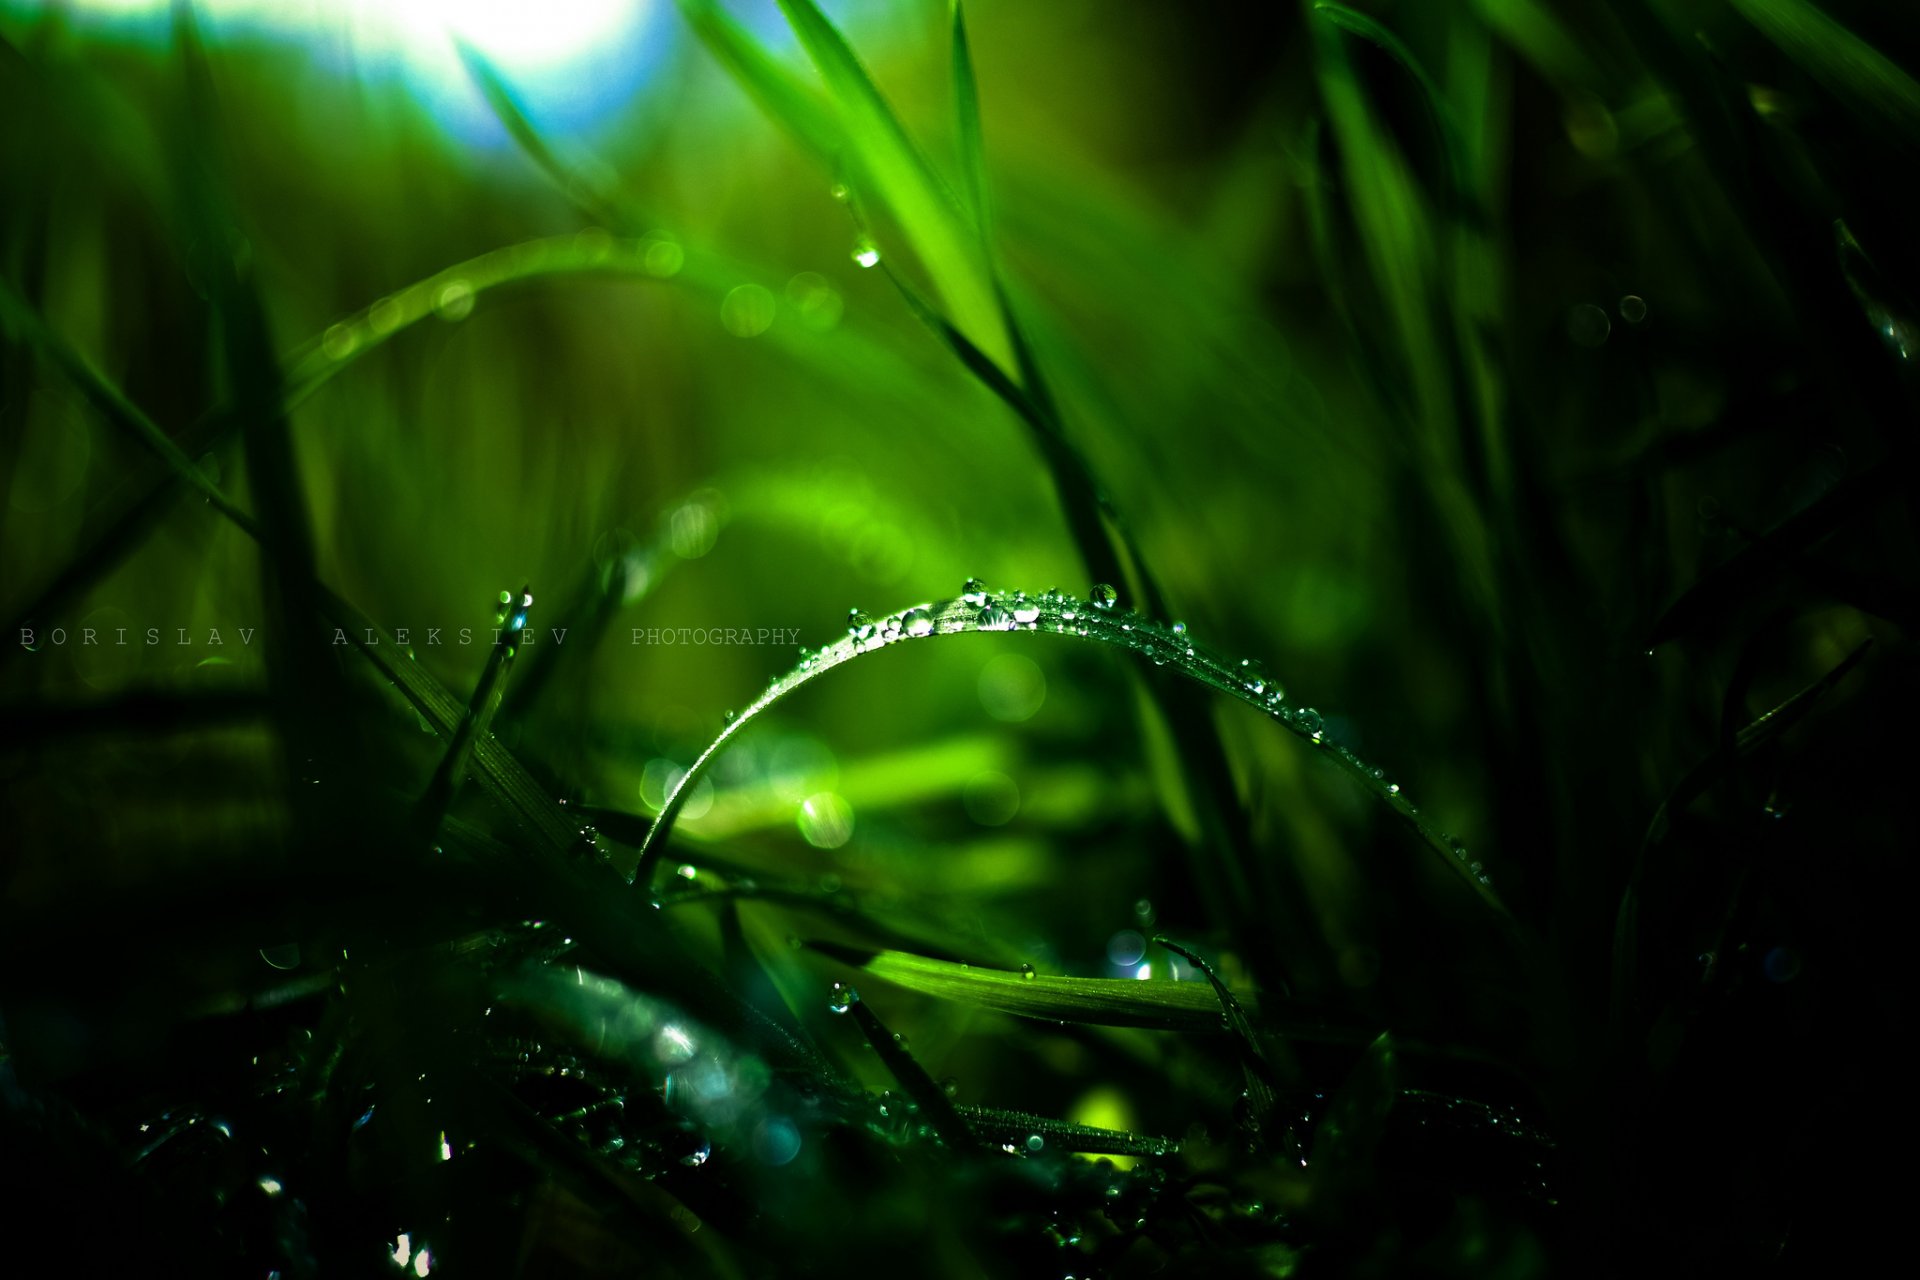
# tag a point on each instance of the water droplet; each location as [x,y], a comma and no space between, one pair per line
[1179,628]
[859,625]
[1308,721]
[994,618]
[917,622]
[1025,611]
[454,301]
[1633,308]
[1026,971]
[1036,1143]
[972,586]
[843,998]
[865,252]
[1588,325]
[698,1156]
[1102,596]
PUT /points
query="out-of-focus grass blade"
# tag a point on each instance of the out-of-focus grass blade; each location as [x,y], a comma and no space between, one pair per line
[477,723]
[791,104]
[1532,29]
[1446,131]
[1356,1119]
[506,107]
[503,775]
[1850,68]
[1727,586]
[949,249]
[24,324]
[1107,1002]
[966,119]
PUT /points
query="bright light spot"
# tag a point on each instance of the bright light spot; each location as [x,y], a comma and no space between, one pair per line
[661,776]
[1144,972]
[673,1044]
[867,256]
[422,1262]
[826,821]
[446,1148]
[402,1249]
[570,62]
[1126,948]
[271,1186]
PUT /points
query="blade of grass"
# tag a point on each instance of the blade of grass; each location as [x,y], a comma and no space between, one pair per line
[1058,615]
[1850,68]
[966,117]
[1106,1002]
[932,1100]
[948,249]
[477,722]
[1002,1129]
[789,103]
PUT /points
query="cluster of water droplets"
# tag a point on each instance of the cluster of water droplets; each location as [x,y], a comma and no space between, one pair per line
[1101,616]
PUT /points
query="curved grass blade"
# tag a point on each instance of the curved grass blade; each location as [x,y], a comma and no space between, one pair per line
[1259,1072]
[1052,613]
[1104,1002]
[1761,730]
[1724,588]
[22,323]
[1446,130]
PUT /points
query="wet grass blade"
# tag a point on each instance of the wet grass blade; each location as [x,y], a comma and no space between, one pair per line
[1002,1129]
[932,1100]
[1259,1071]
[1051,613]
[477,723]
[1105,1002]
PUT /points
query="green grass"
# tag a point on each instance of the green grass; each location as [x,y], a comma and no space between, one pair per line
[1505,407]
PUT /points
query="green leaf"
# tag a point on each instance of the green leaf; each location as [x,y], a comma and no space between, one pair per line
[791,104]
[1105,1002]
[1051,613]
[966,117]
